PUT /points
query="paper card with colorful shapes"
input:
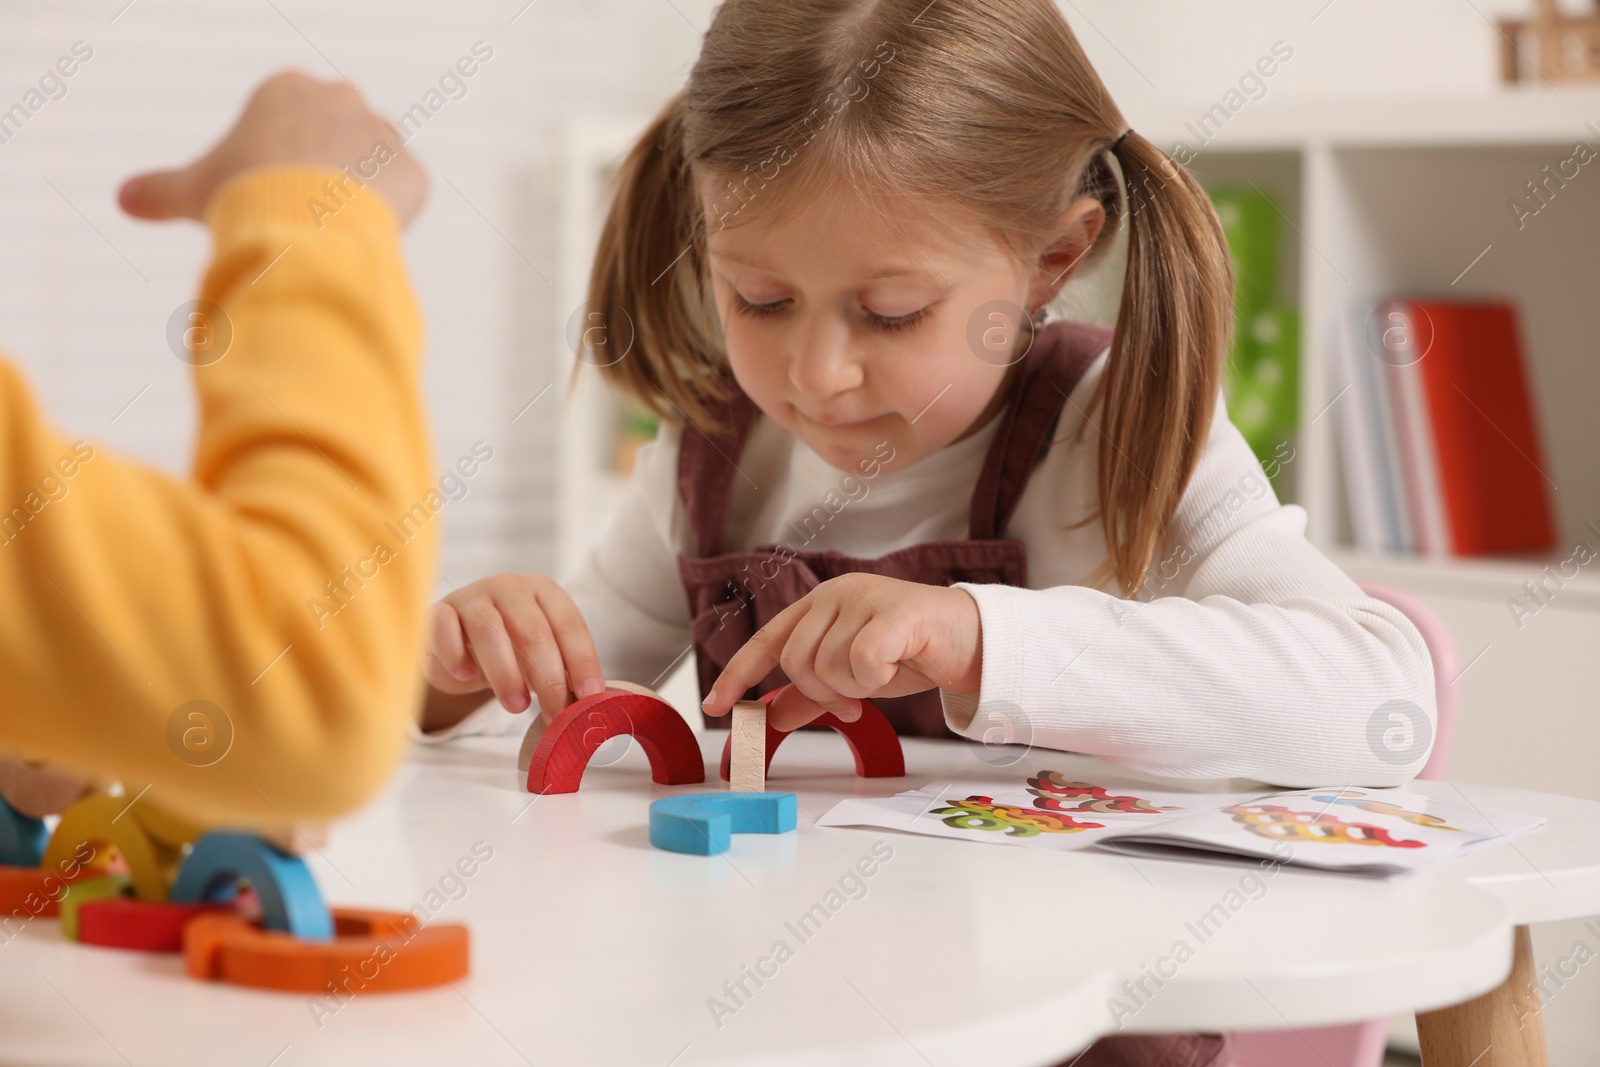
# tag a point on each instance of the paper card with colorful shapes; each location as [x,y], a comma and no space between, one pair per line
[1041,809]
[1382,832]
[1386,831]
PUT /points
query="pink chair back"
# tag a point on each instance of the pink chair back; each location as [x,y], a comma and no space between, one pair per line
[1362,1044]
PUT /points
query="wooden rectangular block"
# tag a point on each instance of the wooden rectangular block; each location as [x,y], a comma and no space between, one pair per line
[748,744]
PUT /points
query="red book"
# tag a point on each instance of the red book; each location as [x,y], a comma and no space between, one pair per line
[1475,474]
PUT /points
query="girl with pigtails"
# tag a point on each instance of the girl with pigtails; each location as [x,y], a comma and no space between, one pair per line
[887,471]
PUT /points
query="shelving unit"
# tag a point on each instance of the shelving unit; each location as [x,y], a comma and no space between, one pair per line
[1415,197]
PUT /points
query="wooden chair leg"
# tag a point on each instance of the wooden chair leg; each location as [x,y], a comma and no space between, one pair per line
[1502,1028]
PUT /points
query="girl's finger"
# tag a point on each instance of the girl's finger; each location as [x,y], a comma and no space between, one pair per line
[875,654]
[448,644]
[799,655]
[832,663]
[538,656]
[573,638]
[799,662]
[755,660]
[491,647]
[792,709]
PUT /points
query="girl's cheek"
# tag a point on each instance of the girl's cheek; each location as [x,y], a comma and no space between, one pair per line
[756,361]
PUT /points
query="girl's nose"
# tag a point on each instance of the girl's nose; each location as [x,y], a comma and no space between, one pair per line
[822,362]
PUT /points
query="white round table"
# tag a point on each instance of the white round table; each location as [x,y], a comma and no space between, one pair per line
[591,947]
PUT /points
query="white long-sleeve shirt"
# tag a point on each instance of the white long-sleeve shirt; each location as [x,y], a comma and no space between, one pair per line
[1249,654]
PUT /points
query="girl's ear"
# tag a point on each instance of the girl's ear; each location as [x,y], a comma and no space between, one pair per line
[1075,236]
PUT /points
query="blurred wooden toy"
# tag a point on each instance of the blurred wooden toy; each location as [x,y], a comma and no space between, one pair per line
[1566,48]
[703,823]
[537,727]
[872,741]
[86,891]
[96,825]
[747,747]
[564,750]
[162,825]
[376,951]
[22,838]
[137,925]
[290,900]
[36,790]
[33,892]
[176,831]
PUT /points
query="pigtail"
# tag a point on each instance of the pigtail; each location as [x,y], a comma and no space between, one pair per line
[647,290]
[1161,382]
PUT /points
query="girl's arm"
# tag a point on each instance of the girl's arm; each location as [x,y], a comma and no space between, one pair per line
[1257,657]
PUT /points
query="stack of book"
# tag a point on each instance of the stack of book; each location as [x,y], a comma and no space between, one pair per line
[1437,434]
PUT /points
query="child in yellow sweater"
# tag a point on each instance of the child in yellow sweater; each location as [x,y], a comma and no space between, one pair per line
[159,628]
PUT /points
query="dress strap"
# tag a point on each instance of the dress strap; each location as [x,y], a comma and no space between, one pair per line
[707,465]
[1061,353]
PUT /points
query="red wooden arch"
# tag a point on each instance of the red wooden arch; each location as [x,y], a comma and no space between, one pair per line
[570,741]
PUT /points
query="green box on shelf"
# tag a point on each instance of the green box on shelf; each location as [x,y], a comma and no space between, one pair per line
[1263,380]
[1251,225]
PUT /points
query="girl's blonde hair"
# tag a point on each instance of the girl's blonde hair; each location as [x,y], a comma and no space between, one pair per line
[991,108]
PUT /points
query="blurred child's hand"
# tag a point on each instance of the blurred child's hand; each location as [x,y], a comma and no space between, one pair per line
[514,634]
[36,790]
[858,636]
[290,119]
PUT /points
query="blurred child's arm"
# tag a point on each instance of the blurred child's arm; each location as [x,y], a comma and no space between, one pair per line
[1257,657]
[284,582]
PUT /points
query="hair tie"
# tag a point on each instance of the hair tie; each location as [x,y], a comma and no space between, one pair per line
[1118,142]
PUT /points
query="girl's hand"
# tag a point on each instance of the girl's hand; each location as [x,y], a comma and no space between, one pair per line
[513,634]
[858,636]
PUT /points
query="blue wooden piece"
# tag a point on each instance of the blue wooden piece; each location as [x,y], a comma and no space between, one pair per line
[703,823]
[22,838]
[290,900]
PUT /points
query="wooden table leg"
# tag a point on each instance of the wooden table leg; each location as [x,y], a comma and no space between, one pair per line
[1502,1028]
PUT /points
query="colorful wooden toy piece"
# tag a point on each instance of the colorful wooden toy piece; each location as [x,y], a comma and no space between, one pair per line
[102,824]
[565,748]
[703,823]
[290,901]
[138,925]
[36,892]
[536,728]
[162,825]
[747,747]
[22,838]
[374,951]
[86,891]
[872,741]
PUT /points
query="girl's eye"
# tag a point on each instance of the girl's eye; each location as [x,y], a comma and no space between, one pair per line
[887,323]
[755,311]
[897,322]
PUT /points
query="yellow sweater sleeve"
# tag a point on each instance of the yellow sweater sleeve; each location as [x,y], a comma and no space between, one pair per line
[283,583]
